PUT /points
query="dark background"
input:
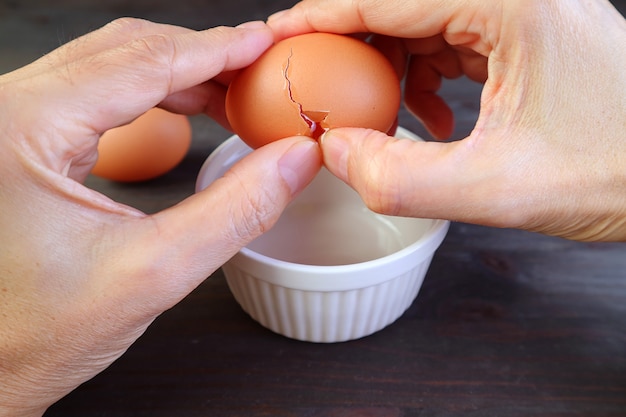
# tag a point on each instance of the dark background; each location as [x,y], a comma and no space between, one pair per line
[507,323]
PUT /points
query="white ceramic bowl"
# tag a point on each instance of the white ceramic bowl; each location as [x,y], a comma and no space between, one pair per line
[330,270]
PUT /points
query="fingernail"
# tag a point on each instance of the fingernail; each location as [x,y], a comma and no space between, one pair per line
[298,165]
[255,24]
[335,151]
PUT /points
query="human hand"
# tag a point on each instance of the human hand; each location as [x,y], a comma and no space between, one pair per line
[548,152]
[83,276]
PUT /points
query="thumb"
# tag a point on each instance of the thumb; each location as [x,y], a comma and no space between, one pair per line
[184,244]
[405,177]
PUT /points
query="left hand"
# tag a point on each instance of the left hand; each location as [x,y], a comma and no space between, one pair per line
[81,276]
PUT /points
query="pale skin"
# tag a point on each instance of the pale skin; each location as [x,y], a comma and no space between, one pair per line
[81,276]
[548,152]
[84,276]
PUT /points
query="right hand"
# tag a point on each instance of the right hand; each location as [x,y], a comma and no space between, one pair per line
[548,152]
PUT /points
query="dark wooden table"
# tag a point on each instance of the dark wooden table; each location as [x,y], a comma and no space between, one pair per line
[507,323]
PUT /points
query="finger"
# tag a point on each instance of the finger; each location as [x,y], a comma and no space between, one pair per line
[208,98]
[460,22]
[345,16]
[394,50]
[125,81]
[426,46]
[399,50]
[423,80]
[418,179]
[432,111]
[189,241]
[473,65]
[112,35]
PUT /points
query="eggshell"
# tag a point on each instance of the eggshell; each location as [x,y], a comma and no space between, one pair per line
[309,83]
[144,149]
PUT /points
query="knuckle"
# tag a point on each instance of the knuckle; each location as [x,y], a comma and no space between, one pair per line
[155,52]
[379,190]
[126,25]
[375,176]
[254,214]
[157,48]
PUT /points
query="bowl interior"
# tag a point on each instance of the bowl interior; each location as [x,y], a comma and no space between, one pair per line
[327,224]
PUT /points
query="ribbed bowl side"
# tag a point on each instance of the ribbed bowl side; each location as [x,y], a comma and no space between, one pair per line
[317,316]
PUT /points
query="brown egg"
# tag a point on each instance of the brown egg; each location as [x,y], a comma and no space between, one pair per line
[148,147]
[309,83]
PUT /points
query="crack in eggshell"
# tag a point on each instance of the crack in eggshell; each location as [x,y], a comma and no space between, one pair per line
[314,119]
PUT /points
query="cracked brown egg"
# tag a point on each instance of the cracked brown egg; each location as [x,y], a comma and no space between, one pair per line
[309,83]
